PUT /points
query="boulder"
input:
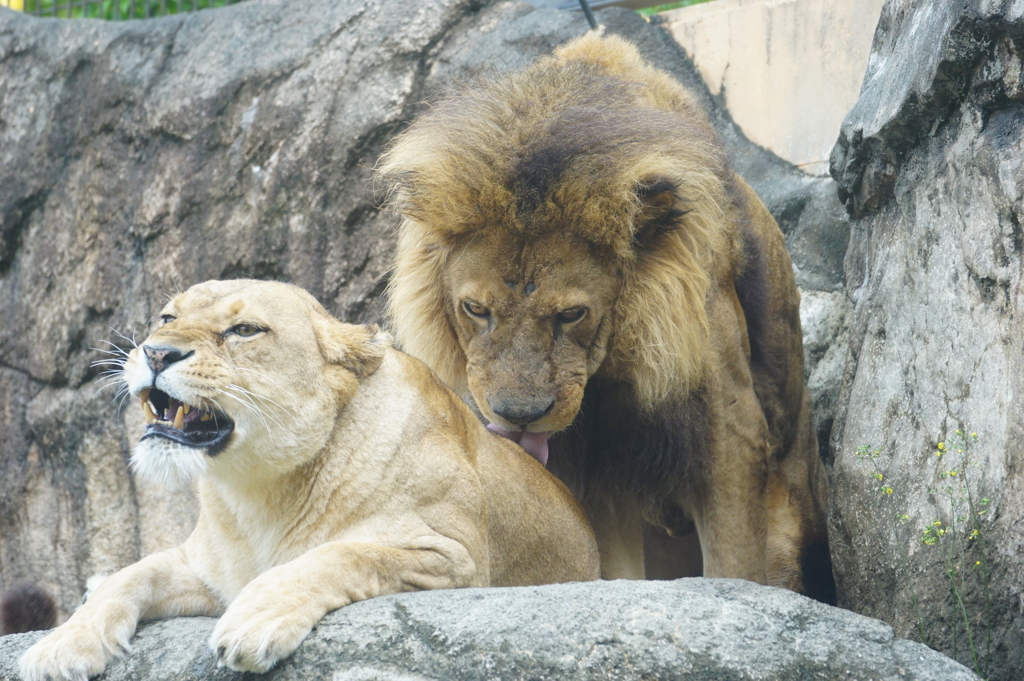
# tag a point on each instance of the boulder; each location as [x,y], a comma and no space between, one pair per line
[929,165]
[138,158]
[703,630]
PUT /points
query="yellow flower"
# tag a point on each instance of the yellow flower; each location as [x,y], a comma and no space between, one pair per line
[953,473]
[977,563]
[941,446]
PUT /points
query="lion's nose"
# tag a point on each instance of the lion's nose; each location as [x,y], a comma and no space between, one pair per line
[520,412]
[160,358]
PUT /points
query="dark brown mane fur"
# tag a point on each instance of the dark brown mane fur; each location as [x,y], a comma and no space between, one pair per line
[669,446]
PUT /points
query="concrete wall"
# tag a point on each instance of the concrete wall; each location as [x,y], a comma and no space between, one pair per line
[788,70]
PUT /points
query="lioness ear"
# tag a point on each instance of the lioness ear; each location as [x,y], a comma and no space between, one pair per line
[659,210]
[359,348]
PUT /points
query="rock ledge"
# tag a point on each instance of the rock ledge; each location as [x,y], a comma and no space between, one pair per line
[697,628]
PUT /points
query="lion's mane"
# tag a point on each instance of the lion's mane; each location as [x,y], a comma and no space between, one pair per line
[513,146]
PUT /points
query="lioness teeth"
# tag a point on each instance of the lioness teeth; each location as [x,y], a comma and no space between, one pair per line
[147,412]
[172,412]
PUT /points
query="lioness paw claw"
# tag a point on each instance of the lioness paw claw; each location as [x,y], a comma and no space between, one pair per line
[74,654]
[255,646]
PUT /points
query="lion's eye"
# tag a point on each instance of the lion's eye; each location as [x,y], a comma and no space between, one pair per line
[245,330]
[475,309]
[570,315]
[165,318]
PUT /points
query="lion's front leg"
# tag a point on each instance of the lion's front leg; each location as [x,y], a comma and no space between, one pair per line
[731,514]
[619,532]
[159,585]
[733,529]
[274,612]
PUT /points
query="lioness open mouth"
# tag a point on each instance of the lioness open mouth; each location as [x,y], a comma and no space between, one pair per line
[187,425]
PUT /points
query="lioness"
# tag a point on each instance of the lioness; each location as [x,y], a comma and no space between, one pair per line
[331,469]
[578,259]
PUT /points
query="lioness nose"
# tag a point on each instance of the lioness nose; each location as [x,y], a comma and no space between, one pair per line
[161,358]
[520,412]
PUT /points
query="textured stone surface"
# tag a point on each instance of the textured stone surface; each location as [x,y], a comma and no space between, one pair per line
[704,630]
[138,158]
[925,58]
[930,160]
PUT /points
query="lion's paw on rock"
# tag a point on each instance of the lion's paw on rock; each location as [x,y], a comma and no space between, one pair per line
[74,653]
[246,642]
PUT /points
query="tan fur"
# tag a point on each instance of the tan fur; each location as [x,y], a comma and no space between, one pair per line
[351,472]
[592,180]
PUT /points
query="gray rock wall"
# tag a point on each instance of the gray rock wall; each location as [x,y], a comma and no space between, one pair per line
[929,162]
[701,630]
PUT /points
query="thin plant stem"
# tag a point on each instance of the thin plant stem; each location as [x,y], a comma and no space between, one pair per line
[983,564]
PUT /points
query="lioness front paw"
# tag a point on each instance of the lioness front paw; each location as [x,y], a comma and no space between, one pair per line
[73,651]
[255,633]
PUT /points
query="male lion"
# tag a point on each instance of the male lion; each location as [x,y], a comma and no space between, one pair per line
[577,258]
[331,468]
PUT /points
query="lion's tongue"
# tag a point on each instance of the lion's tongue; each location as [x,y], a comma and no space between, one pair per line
[535,444]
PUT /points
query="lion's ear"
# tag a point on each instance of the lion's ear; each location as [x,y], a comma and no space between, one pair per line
[359,348]
[659,210]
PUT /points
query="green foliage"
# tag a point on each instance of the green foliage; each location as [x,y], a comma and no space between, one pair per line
[649,11]
[115,10]
[960,539]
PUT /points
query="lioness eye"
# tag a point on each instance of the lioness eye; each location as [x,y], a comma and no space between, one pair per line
[573,314]
[475,309]
[165,318]
[245,330]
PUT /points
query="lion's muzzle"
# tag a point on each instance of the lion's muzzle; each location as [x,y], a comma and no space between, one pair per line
[520,411]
